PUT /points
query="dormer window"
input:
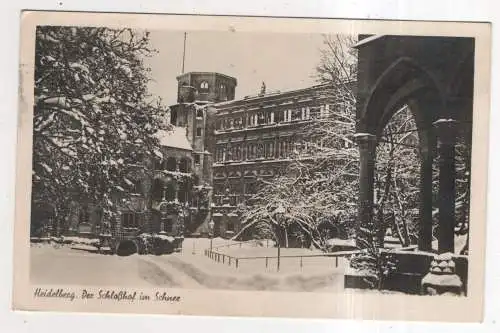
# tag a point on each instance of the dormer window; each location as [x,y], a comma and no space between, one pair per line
[204,85]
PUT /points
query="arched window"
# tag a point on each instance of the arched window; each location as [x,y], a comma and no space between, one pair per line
[238,153]
[138,187]
[204,85]
[173,117]
[260,150]
[170,190]
[171,164]
[84,215]
[183,192]
[158,164]
[261,120]
[184,165]
[157,192]
[130,219]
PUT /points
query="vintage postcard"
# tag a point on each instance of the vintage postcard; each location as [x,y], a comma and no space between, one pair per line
[252,166]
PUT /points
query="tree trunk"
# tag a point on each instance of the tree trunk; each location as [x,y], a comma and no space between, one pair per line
[405,232]
[286,236]
[381,229]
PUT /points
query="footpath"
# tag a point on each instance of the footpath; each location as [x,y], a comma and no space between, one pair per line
[198,271]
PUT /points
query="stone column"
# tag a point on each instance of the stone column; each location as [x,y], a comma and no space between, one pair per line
[446,132]
[118,224]
[367,144]
[162,222]
[164,192]
[426,160]
[147,220]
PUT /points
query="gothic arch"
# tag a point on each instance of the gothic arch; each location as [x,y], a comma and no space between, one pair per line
[171,164]
[462,74]
[184,164]
[401,81]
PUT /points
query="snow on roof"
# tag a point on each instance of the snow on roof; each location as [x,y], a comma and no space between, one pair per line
[175,138]
[367,40]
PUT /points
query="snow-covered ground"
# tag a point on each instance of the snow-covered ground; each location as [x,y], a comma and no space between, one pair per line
[65,265]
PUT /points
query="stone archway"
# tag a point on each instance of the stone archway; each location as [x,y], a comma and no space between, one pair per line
[395,71]
[402,83]
[127,247]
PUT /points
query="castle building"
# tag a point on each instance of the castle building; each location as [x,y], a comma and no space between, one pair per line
[213,158]
[181,188]
[255,139]
[196,91]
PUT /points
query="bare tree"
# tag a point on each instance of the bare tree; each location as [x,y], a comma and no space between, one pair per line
[92,119]
[319,186]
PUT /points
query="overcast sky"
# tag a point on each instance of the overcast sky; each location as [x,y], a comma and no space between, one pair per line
[282,61]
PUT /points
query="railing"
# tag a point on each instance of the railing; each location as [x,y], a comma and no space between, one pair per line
[236,261]
[268,242]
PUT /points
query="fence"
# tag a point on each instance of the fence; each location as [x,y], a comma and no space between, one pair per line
[236,261]
[258,243]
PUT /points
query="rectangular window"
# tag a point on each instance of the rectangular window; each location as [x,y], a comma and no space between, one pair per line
[173,117]
[196,159]
[130,220]
[84,216]
[169,225]
[327,110]
[198,131]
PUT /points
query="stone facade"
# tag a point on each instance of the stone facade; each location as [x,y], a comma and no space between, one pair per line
[255,139]
[214,158]
[209,87]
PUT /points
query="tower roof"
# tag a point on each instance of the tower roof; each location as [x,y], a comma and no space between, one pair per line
[175,138]
[207,73]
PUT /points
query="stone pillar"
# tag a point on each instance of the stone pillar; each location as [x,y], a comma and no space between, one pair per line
[446,132]
[118,224]
[162,225]
[367,144]
[426,160]
[147,220]
[442,278]
[164,192]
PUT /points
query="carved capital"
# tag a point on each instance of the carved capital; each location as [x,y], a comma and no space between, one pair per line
[446,130]
[365,140]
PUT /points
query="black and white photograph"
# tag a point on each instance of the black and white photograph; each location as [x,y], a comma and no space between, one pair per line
[329,162]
